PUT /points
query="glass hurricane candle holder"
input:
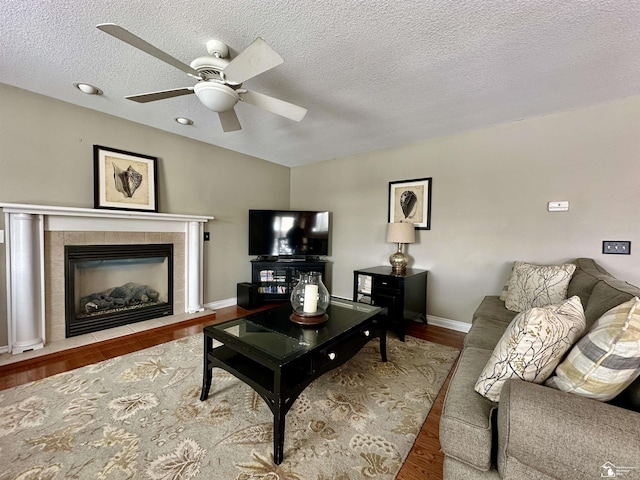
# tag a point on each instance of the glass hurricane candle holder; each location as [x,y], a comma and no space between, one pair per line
[310,298]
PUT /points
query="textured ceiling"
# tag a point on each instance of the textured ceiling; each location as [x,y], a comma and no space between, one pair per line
[372,73]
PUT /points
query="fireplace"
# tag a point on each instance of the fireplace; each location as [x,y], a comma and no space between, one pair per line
[108,286]
[35,237]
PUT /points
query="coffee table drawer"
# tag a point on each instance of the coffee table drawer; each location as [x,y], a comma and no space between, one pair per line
[340,351]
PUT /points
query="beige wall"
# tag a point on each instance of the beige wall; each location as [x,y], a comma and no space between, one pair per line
[46,157]
[490,193]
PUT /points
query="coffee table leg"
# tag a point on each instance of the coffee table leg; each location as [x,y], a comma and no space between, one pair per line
[383,345]
[279,414]
[206,371]
[278,433]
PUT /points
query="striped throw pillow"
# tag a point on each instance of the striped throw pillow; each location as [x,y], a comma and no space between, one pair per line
[607,359]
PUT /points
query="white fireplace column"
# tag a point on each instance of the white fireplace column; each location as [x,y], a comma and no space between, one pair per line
[195,257]
[25,254]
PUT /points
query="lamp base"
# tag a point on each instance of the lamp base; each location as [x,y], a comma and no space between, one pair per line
[398,261]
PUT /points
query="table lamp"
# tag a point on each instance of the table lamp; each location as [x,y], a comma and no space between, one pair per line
[400,233]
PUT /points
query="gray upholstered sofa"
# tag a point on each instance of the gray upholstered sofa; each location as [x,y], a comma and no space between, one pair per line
[536,432]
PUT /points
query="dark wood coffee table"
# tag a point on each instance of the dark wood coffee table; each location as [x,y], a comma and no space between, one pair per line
[278,358]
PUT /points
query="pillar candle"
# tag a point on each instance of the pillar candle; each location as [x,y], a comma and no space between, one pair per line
[310,299]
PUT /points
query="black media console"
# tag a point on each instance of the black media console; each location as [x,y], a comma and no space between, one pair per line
[276,278]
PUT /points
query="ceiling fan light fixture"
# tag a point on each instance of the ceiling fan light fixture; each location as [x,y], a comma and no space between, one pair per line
[184,121]
[216,96]
[88,89]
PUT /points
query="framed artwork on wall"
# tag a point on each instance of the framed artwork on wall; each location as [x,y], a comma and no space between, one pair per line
[125,180]
[410,201]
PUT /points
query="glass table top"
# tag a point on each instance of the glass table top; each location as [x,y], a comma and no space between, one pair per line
[273,333]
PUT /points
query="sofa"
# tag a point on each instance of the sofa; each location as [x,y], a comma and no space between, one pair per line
[535,431]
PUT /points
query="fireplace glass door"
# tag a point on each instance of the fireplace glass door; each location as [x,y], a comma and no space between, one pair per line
[114,285]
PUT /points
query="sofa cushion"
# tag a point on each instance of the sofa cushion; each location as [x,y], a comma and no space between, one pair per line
[537,285]
[544,433]
[630,397]
[532,345]
[453,469]
[492,307]
[485,333]
[608,293]
[588,273]
[466,430]
[607,359]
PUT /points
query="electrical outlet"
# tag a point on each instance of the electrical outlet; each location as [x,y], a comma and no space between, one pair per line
[207,237]
[616,247]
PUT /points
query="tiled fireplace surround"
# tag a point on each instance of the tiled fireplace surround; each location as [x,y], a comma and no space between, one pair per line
[54,281]
[35,240]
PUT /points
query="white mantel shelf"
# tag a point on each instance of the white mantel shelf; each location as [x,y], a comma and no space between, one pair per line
[25,225]
[98,213]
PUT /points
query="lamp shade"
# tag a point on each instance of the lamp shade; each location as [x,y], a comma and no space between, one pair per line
[401,233]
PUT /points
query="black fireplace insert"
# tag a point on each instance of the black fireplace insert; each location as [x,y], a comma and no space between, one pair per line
[108,286]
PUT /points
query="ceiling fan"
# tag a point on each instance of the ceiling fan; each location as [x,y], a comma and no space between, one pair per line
[219,80]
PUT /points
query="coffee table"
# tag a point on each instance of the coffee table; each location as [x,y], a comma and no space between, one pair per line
[278,358]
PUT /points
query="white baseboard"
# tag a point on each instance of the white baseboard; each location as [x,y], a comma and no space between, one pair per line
[447,323]
[227,302]
[4,349]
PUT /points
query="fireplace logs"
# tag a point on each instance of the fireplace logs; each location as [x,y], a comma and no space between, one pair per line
[127,295]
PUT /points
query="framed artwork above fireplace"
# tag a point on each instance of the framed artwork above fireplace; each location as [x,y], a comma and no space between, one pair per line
[125,180]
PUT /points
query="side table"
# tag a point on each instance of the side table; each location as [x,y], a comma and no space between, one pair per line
[404,295]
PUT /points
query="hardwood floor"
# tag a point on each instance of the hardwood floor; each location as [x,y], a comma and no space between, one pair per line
[424,460]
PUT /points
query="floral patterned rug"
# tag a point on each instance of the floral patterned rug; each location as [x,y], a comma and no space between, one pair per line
[139,417]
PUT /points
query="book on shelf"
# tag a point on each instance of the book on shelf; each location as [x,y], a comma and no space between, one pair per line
[364,284]
[363,298]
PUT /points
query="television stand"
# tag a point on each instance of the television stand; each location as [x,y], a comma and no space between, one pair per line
[276,278]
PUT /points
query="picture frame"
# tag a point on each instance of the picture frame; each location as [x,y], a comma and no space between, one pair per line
[125,180]
[410,201]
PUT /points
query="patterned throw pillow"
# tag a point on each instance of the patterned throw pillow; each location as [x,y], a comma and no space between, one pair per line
[607,359]
[536,285]
[532,345]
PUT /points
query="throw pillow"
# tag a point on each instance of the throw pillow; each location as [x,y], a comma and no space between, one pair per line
[532,345]
[537,285]
[607,359]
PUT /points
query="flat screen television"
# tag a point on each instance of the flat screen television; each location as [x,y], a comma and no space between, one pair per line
[288,233]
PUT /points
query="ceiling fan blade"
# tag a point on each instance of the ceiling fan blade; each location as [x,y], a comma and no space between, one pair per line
[258,57]
[274,105]
[160,95]
[229,121]
[128,37]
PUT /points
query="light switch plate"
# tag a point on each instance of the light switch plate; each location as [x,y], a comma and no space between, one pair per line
[1,236]
[616,247]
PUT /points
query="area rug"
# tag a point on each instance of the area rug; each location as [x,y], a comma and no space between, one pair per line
[139,416]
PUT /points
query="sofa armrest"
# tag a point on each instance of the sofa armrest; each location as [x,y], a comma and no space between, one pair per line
[546,433]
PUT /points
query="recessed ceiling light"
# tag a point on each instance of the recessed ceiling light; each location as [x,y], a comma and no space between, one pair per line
[184,121]
[88,89]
